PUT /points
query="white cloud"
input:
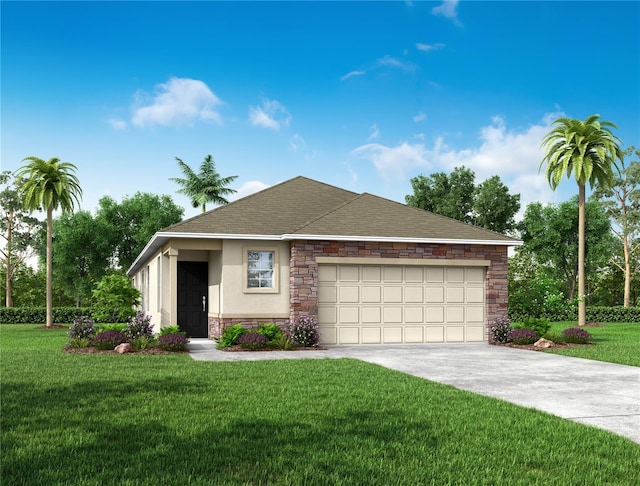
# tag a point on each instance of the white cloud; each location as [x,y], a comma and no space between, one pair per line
[513,154]
[429,47]
[179,101]
[388,61]
[393,162]
[419,117]
[375,132]
[297,143]
[117,123]
[351,74]
[248,188]
[448,9]
[272,114]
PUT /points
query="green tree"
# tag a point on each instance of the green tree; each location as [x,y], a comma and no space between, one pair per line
[450,195]
[29,286]
[49,185]
[456,196]
[550,236]
[206,186]
[622,202]
[18,230]
[494,208]
[133,222]
[587,149]
[81,254]
[114,298]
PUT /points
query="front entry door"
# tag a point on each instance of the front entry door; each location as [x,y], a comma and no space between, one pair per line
[193,289]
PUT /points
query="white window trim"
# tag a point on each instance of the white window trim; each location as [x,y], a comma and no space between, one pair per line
[276,270]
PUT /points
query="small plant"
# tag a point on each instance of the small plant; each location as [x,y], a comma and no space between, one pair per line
[173,342]
[554,336]
[139,326]
[82,328]
[230,335]
[143,342]
[576,335]
[281,342]
[112,327]
[252,340]
[270,331]
[171,330]
[539,325]
[107,340]
[523,336]
[499,330]
[304,331]
[78,342]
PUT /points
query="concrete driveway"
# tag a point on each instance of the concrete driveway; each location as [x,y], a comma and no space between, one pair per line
[603,395]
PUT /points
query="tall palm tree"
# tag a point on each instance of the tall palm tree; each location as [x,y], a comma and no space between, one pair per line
[207,186]
[49,185]
[589,150]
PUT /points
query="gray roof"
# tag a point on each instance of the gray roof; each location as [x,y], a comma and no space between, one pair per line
[302,208]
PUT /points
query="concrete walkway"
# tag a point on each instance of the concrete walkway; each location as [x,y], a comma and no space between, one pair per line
[603,395]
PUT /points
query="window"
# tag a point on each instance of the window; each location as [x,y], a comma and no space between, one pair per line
[261,270]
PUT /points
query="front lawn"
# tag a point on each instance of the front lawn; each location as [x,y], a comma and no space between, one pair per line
[166,419]
[616,342]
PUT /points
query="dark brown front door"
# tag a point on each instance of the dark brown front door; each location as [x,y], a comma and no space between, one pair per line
[192,298]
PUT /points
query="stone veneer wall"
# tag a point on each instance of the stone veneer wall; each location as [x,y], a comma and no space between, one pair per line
[218,325]
[303,269]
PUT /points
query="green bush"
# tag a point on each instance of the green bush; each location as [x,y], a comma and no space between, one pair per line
[270,331]
[281,342]
[538,324]
[570,313]
[112,327]
[143,342]
[61,315]
[231,335]
[114,294]
[171,330]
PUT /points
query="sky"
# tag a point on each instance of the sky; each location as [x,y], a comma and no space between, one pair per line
[360,95]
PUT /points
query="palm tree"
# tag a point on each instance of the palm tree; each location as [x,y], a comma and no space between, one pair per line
[207,186]
[589,150]
[49,185]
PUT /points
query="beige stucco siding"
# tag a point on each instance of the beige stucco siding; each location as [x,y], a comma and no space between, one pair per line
[236,301]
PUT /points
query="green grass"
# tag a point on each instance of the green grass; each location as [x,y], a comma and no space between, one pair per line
[166,419]
[617,342]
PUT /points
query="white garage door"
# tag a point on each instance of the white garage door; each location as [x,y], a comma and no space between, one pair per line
[391,304]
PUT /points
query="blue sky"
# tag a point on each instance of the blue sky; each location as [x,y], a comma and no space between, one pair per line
[362,95]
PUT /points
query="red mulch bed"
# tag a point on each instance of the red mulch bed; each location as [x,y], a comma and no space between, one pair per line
[238,348]
[92,350]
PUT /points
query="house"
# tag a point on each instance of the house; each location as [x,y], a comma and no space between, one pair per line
[373,271]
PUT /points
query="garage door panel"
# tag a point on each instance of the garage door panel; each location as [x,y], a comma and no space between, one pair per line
[434,294]
[392,274]
[413,334]
[454,334]
[328,295]
[348,315]
[349,273]
[371,315]
[371,335]
[327,315]
[414,275]
[434,334]
[413,315]
[413,295]
[328,335]
[371,294]
[455,275]
[348,335]
[435,314]
[475,334]
[434,275]
[327,273]
[475,314]
[455,314]
[392,314]
[475,295]
[475,275]
[455,295]
[392,335]
[371,273]
[391,295]
[349,294]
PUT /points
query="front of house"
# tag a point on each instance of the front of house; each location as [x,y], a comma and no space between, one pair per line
[372,271]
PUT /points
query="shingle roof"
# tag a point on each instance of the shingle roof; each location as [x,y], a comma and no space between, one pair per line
[302,208]
[277,210]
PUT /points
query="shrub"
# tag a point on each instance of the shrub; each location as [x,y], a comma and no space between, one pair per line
[230,335]
[523,336]
[304,331]
[173,342]
[499,330]
[114,295]
[281,342]
[82,328]
[554,336]
[143,342]
[537,324]
[252,340]
[171,330]
[78,342]
[576,335]
[270,331]
[106,340]
[139,326]
[112,327]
